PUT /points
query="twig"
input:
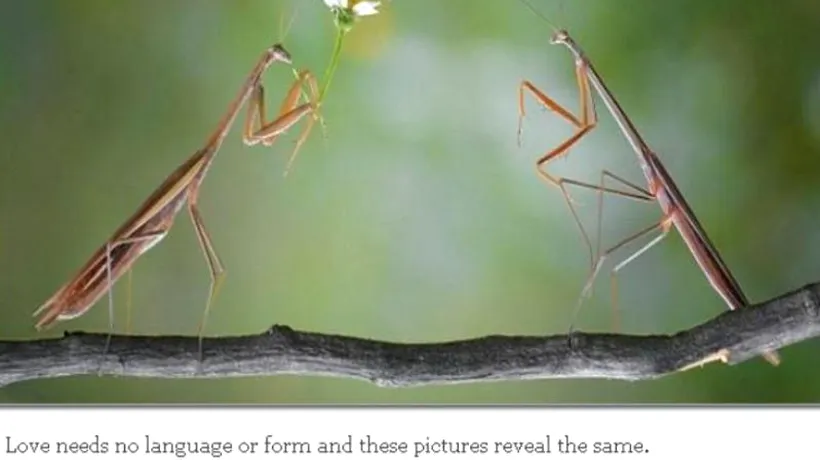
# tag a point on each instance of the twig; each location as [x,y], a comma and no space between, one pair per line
[731,337]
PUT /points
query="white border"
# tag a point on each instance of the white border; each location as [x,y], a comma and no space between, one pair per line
[667,433]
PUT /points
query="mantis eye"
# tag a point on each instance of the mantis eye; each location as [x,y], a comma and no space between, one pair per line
[280,53]
[559,36]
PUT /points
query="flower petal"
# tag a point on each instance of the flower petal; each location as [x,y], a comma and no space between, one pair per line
[336,4]
[365,8]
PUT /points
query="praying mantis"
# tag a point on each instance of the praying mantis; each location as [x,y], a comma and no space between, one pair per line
[661,188]
[154,218]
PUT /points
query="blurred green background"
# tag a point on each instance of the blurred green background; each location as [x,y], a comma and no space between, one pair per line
[418,218]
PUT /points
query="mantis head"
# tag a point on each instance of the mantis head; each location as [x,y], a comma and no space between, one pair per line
[279,53]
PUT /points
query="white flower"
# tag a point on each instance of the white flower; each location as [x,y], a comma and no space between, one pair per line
[353,8]
[365,8]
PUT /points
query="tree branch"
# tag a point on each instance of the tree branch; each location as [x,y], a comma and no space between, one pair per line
[731,337]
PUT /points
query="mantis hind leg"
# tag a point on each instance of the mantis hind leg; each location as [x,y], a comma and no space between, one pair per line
[109,273]
[217,270]
[647,196]
[129,300]
[632,192]
[663,226]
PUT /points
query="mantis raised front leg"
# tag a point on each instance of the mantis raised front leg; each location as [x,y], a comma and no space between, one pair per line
[290,113]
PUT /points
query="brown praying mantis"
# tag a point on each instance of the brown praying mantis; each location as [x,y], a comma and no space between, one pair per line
[661,188]
[154,218]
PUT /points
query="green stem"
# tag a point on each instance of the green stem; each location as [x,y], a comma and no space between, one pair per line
[334,62]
